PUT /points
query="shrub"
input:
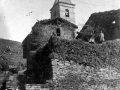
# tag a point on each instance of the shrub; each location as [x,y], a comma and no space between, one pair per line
[95,55]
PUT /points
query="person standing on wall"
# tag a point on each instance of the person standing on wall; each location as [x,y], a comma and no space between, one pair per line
[92,38]
[102,39]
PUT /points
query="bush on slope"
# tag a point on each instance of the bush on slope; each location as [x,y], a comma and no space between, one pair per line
[95,55]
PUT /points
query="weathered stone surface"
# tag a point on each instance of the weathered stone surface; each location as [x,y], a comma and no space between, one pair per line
[108,22]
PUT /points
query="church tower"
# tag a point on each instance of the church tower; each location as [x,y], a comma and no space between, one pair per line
[63,9]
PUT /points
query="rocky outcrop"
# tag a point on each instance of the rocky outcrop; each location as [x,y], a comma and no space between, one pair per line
[108,22]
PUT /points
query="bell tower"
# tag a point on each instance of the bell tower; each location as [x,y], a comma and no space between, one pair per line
[63,9]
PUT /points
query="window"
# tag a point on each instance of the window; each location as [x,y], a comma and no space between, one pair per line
[66,36]
[66,12]
[58,31]
[69,35]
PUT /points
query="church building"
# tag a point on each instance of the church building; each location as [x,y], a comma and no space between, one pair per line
[61,25]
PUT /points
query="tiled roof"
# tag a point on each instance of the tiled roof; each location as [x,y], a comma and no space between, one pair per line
[64,1]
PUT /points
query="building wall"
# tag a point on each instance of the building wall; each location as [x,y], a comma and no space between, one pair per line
[55,12]
[66,33]
[59,11]
[71,17]
[46,31]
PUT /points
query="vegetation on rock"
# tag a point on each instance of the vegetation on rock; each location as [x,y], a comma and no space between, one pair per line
[95,55]
[107,22]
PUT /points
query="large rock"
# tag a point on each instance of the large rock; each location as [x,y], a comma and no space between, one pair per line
[108,22]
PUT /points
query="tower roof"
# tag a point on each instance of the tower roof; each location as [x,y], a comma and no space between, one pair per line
[63,1]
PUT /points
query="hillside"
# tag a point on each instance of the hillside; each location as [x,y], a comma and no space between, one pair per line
[11,51]
[11,54]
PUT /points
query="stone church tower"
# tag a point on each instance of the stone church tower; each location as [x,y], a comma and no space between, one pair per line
[63,9]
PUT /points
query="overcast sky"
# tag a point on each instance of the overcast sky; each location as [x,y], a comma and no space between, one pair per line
[18,16]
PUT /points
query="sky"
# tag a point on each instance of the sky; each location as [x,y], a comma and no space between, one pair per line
[18,16]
